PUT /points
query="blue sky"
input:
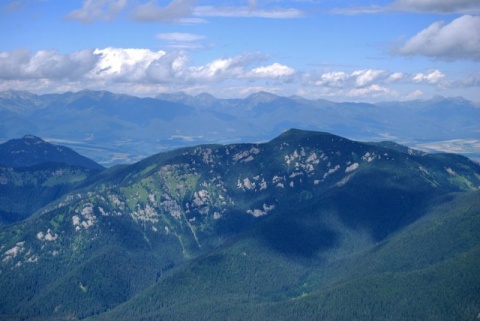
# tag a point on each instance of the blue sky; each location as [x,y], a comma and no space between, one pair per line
[329,49]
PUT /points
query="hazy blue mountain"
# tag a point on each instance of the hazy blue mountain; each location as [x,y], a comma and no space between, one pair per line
[308,224]
[113,128]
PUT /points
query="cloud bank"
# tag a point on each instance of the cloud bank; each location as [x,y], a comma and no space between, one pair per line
[147,72]
[175,11]
[97,10]
[416,6]
[459,39]
[442,6]
[178,11]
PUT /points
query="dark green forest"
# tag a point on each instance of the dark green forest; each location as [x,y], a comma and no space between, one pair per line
[308,226]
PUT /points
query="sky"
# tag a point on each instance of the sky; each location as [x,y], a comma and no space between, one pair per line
[340,50]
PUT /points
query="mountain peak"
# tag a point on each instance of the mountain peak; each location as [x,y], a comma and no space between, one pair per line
[456,100]
[205,97]
[16,94]
[298,134]
[31,150]
[174,97]
[262,97]
[32,138]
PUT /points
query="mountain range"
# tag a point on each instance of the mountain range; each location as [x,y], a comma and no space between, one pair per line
[115,129]
[308,225]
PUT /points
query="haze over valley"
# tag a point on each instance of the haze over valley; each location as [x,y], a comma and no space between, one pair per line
[115,128]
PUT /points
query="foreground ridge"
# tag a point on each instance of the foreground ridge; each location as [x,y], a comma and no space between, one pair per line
[304,223]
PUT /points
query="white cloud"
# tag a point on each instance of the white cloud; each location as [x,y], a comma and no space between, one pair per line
[366,76]
[97,10]
[416,6]
[333,79]
[432,77]
[357,78]
[129,65]
[394,77]
[371,91]
[441,6]
[146,72]
[182,41]
[414,95]
[45,64]
[250,11]
[123,64]
[275,70]
[180,37]
[472,80]
[459,39]
[220,69]
[167,69]
[177,11]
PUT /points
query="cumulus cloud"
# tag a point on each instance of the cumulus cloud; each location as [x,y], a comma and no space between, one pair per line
[443,6]
[131,65]
[177,11]
[124,65]
[371,91]
[357,78]
[97,10]
[146,72]
[395,77]
[459,39]
[225,68]
[432,77]
[275,70]
[380,83]
[170,67]
[366,76]
[46,64]
[333,79]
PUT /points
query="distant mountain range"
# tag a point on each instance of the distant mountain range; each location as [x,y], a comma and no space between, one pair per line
[308,226]
[114,129]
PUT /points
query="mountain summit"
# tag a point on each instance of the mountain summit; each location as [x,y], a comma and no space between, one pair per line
[31,150]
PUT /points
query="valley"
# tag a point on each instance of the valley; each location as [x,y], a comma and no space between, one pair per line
[117,129]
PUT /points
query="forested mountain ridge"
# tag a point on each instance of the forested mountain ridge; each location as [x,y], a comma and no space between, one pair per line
[34,173]
[31,150]
[307,203]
